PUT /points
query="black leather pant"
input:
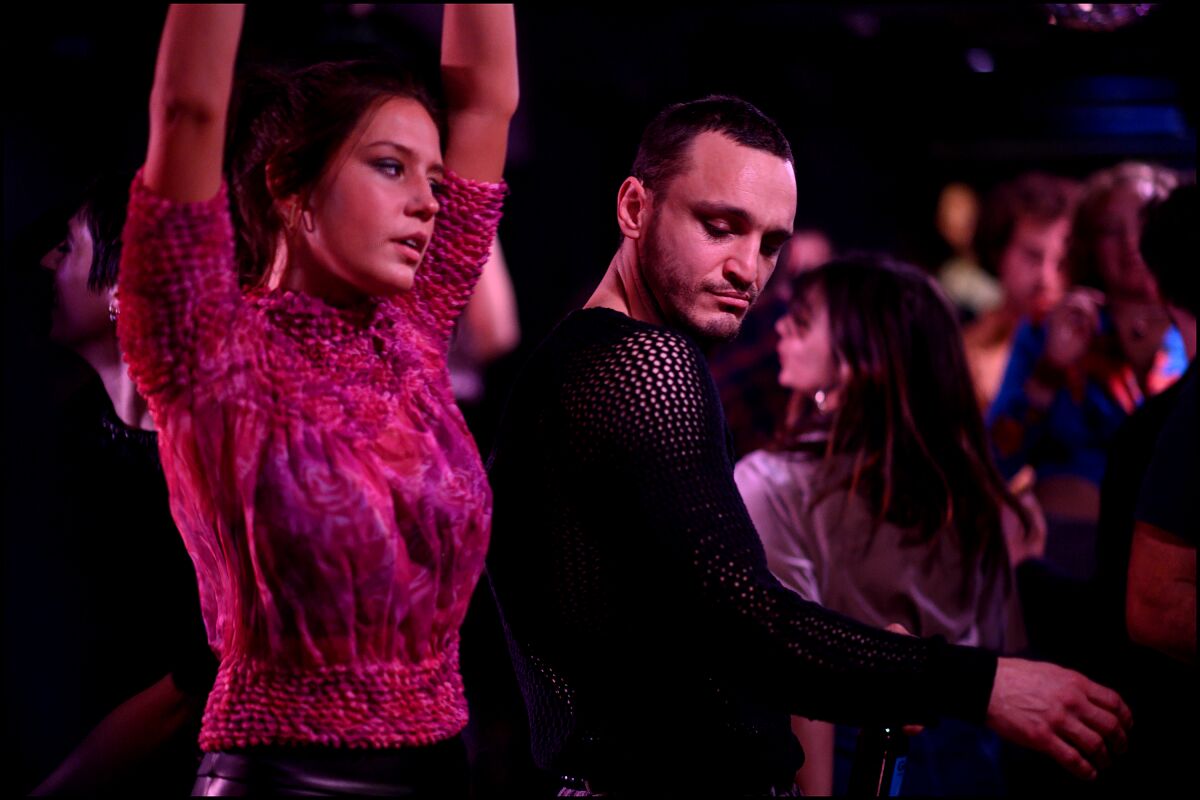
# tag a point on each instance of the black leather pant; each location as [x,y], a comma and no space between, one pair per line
[433,771]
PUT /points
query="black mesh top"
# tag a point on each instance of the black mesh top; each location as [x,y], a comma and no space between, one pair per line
[649,637]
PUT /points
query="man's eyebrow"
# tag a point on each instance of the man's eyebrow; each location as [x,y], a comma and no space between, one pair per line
[406,151]
[737,212]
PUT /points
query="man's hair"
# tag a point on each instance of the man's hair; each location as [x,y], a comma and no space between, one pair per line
[1037,196]
[1171,248]
[662,153]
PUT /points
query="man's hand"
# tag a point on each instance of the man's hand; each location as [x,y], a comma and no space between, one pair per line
[1059,712]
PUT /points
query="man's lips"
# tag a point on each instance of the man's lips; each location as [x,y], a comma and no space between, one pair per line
[735,299]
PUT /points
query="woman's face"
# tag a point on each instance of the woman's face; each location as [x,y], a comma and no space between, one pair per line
[806,355]
[1119,227]
[368,221]
[78,315]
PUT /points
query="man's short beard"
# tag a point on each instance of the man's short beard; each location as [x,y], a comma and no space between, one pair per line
[674,298]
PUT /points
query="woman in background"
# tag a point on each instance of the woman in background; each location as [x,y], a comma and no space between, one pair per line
[880,499]
[143,663]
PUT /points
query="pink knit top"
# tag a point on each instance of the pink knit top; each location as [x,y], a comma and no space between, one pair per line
[323,479]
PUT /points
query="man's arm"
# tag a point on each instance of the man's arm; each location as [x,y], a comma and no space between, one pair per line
[661,423]
[1160,601]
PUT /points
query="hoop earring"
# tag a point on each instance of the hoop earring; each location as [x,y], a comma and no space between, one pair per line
[114,310]
[293,212]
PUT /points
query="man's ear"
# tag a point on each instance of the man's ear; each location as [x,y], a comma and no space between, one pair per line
[633,207]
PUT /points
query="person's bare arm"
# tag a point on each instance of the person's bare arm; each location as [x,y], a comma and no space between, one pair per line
[479,73]
[815,778]
[189,103]
[132,732]
[1160,601]
[490,325]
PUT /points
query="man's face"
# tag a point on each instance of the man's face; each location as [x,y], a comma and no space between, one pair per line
[714,233]
[1031,265]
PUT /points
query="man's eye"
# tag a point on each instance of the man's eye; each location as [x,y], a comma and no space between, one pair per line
[716,231]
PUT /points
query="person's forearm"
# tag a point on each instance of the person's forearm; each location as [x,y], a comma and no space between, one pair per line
[130,733]
[490,319]
[815,778]
[479,75]
[1160,609]
[479,59]
[189,103]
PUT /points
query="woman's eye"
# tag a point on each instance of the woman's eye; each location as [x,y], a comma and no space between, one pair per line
[438,188]
[64,247]
[393,169]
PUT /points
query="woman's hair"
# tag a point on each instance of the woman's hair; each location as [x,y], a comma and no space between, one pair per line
[294,124]
[1152,183]
[908,416]
[102,208]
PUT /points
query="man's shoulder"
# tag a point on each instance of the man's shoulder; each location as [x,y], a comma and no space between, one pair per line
[607,341]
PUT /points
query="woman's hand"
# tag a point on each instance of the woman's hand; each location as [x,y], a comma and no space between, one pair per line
[1071,326]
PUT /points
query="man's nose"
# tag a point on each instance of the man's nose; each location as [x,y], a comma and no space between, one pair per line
[741,266]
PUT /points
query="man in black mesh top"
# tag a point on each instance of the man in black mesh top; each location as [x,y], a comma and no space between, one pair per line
[656,653]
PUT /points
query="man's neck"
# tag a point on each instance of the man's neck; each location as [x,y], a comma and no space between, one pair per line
[623,288]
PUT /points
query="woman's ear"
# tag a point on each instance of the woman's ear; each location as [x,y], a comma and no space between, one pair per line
[633,207]
[114,305]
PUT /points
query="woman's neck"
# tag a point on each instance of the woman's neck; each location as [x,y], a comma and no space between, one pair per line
[104,356]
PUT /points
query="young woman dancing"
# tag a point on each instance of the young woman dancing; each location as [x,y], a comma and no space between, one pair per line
[323,480]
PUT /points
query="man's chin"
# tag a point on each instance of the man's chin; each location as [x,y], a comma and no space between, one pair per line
[715,330]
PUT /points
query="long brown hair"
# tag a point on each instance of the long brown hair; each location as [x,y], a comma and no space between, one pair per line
[908,417]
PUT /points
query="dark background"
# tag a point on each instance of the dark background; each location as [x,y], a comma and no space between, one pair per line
[883,105]
[880,102]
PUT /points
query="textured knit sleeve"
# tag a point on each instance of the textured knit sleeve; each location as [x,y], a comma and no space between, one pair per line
[468,217]
[649,411]
[789,555]
[178,291]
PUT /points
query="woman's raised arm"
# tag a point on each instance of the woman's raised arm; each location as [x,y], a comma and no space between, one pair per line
[189,103]
[479,73]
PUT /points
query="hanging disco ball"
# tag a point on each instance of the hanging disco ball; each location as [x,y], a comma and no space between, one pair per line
[1097,16]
